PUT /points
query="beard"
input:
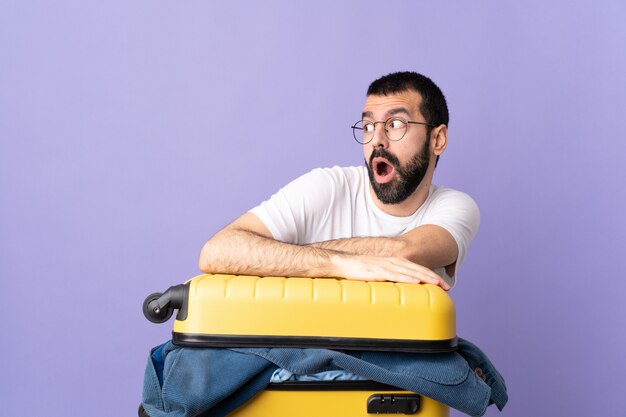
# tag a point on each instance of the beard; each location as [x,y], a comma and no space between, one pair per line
[407,177]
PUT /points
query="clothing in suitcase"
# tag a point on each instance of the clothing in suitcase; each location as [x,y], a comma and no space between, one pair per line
[372,323]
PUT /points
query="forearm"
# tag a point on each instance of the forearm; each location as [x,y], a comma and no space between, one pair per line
[427,245]
[373,246]
[241,251]
[238,251]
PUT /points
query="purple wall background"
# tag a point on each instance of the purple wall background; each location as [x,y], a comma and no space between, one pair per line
[132,131]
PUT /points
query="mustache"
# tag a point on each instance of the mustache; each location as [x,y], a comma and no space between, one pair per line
[383,153]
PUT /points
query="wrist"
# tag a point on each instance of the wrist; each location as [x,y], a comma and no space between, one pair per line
[337,265]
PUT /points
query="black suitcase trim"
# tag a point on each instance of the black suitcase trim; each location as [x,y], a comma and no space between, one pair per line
[338,343]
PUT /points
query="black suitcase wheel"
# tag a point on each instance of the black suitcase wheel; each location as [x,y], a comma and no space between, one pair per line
[156,314]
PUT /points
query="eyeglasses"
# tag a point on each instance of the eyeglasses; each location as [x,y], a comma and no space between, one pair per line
[395,129]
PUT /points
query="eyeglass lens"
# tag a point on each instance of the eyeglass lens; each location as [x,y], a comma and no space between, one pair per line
[363,130]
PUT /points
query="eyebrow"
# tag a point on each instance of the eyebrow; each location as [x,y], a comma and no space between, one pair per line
[391,112]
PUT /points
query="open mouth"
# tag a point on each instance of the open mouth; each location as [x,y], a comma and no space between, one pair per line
[383,170]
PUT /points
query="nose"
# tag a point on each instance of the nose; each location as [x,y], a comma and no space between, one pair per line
[380,139]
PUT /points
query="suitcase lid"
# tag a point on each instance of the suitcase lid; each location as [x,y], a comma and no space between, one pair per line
[239,311]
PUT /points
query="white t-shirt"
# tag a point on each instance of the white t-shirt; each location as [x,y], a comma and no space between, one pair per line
[335,203]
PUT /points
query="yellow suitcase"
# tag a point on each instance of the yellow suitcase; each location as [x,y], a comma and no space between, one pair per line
[338,399]
[246,311]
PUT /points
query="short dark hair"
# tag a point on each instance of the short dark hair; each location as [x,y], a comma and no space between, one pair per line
[434,107]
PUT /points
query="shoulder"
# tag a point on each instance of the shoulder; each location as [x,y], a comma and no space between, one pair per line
[322,187]
[446,206]
[448,197]
[337,178]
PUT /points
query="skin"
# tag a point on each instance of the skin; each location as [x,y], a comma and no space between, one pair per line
[408,258]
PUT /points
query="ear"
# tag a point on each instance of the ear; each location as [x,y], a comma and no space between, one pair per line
[439,139]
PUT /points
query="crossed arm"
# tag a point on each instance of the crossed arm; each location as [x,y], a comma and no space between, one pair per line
[246,246]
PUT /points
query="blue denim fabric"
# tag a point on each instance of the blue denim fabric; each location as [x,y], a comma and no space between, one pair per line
[181,382]
[197,379]
[478,361]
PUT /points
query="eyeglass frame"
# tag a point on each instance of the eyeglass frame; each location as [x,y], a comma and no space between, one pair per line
[354,128]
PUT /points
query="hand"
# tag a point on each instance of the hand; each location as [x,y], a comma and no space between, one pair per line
[378,268]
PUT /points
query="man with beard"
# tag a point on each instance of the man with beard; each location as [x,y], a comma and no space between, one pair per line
[383,221]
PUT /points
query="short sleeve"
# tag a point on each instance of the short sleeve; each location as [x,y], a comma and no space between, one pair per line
[459,214]
[294,211]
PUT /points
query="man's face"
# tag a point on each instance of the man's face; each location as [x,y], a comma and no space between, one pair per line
[396,168]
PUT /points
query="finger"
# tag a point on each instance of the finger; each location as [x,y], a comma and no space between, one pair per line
[416,271]
[431,276]
[420,273]
[438,280]
[408,275]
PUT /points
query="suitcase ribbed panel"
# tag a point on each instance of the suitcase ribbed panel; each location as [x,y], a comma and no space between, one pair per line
[229,310]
